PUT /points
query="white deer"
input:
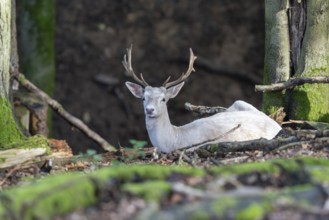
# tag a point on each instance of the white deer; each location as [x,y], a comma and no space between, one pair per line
[240,122]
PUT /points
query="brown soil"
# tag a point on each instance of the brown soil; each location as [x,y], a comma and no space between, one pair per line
[91,38]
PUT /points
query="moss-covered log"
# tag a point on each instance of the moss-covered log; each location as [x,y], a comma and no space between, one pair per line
[55,195]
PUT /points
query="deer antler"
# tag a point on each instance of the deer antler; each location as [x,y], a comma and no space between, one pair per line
[184,76]
[127,64]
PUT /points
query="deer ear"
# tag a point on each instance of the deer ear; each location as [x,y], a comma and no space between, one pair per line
[135,89]
[173,91]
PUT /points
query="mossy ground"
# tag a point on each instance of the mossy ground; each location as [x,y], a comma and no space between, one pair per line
[63,193]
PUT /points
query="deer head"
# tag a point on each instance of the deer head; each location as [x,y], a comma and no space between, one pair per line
[155,98]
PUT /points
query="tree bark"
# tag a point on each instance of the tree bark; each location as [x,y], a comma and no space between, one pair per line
[276,67]
[297,45]
[10,135]
[9,131]
[311,102]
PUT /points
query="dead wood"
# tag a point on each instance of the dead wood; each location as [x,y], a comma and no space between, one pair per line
[260,144]
[291,83]
[297,138]
[204,110]
[58,108]
[13,157]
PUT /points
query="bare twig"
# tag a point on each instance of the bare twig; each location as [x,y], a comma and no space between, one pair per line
[204,110]
[291,83]
[14,169]
[182,156]
[57,107]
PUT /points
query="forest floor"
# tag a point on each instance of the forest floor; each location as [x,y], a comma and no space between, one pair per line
[298,140]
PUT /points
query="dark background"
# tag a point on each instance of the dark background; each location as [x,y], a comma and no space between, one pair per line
[91,37]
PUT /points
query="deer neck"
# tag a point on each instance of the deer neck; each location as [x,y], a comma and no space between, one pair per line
[161,131]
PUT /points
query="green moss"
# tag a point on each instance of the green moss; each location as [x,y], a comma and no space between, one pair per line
[53,196]
[273,101]
[253,211]
[149,190]
[272,166]
[59,194]
[246,168]
[9,131]
[220,206]
[200,215]
[147,172]
[312,102]
[36,141]
[320,174]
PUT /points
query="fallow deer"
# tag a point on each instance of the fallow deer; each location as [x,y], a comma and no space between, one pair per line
[240,122]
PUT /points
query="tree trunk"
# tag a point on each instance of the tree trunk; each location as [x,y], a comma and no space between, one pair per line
[36,22]
[10,134]
[36,42]
[297,45]
[9,131]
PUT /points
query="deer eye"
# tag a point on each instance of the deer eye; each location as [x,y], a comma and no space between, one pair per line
[163,100]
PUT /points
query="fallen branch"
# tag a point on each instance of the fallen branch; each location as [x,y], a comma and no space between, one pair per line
[291,83]
[298,138]
[58,108]
[321,141]
[204,110]
[260,144]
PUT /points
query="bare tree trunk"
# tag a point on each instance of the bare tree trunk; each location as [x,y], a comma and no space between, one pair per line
[297,45]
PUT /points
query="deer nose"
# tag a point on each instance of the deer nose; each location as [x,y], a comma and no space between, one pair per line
[149,110]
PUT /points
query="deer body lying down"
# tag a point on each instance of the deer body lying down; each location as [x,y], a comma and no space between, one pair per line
[240,122]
